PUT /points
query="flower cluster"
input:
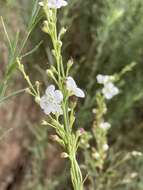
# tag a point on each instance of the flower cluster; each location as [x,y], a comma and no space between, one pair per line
[54,4]
[52,100]
[109,90]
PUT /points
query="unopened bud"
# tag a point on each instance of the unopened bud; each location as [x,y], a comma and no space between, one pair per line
[64,155]
[53,52]
[81,131]
[53,69]
[94,111]
[49,73]
[27,90]
[54,137]
[44,122]
[37,99]
[62,32]
[37,83]
[70,62]
[45,27]
[59,44]
[96,155]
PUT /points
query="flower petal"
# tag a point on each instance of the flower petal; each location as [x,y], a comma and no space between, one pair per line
[55,4]
[70,84]
[50,90]
[102,79]
[41,3]
[79,93]
[62,3]
[56,108]
[48,109]
[58,96]
[110,90]
[105,125]
[43,101]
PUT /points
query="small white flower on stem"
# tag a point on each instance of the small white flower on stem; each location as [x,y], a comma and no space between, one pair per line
[136,153]
[54,4]
[105,147]
[110,90]
[73,89]
[105,125]
[103,79]
[51,101]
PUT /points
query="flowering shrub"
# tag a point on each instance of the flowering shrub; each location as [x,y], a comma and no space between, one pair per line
[57,102]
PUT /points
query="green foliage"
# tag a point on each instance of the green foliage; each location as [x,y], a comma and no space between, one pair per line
[15,47]
[106,35]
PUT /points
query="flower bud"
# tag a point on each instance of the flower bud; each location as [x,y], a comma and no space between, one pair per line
[44,122]
[96,155]
[62,32]
[69,63]
[54,137]
[64,155]
[49,73]
[80,131]
[27,90]
[37,99]
[37,83]
[53,69]
[45,27]
[94,111]
[59,44]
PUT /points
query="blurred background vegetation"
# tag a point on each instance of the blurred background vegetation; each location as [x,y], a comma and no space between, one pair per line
[103,37]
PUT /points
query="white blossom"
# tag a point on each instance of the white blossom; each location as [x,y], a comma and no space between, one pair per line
[105,125]
[103,79]
[54,4]
[136,153]
[110,90]
[51,101]
[134,175]
[105,147]
[73,89]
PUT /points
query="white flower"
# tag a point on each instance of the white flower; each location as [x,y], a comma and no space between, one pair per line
[102,79]
[136,153]
[54,4]
[51,101]
[110,90]
[73,89]
[105,147]
[134,174]
[105,125]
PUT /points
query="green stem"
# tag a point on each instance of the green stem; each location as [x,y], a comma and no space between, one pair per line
[71,144]
[76,175]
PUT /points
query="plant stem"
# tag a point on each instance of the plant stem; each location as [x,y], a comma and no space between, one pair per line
[76,175]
